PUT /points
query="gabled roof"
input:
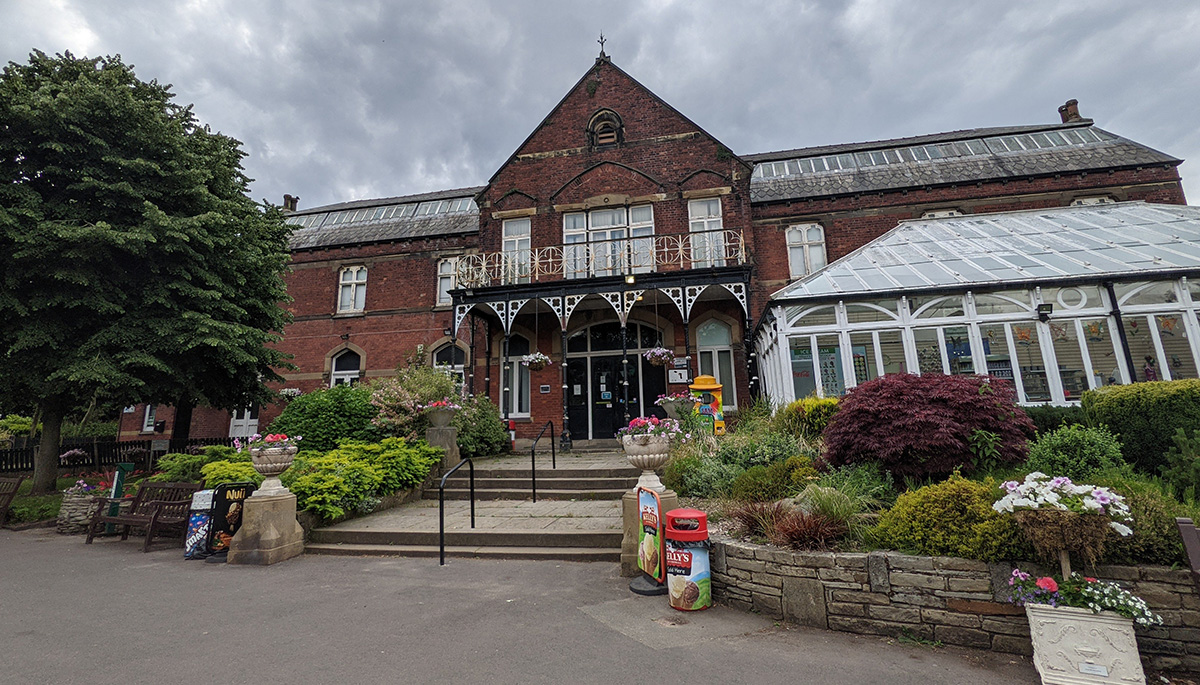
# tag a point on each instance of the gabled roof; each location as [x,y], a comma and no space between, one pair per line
[386,219]
[965,157]
[1060,244]
[602,61]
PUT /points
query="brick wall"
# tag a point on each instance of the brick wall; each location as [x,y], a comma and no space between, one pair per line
[956,601]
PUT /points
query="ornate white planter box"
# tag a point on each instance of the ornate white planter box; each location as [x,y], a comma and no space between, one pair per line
[1077,647]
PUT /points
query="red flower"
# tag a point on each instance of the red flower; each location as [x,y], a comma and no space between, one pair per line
[1047,584]
[1090,580]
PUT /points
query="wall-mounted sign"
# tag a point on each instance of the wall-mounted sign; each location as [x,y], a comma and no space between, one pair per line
[681,362]
[544,389]
[677,376]
[606,395]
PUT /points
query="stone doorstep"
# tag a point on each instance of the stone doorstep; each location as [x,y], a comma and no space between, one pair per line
[468,551]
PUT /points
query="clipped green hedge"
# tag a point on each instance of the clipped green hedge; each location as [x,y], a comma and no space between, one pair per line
[1047,418]
[1145,416]
[951,518]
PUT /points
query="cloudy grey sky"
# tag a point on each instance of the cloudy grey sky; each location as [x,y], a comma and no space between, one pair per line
[346,100]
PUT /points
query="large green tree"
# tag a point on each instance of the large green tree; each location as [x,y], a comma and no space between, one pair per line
[134,265]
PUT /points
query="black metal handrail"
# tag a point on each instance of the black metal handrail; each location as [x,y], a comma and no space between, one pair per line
[442,506]
[533,455]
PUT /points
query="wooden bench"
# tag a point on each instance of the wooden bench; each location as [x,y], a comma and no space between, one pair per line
[1191,543]
[8,492]
[160,508]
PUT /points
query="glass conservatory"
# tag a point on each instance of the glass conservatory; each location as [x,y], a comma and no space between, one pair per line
[1056,301]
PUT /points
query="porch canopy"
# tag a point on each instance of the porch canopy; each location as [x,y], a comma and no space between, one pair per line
[1056,300]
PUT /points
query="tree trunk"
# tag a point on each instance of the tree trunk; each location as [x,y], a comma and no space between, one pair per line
[45,464]
[181,430]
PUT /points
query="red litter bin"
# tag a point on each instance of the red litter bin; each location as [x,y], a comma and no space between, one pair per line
[689,576]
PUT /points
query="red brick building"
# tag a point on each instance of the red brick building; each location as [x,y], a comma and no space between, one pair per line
[619,225]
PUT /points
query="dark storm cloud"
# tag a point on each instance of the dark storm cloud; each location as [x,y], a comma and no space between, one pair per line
[338,101]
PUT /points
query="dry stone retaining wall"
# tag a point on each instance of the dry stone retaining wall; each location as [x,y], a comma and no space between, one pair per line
[956,601]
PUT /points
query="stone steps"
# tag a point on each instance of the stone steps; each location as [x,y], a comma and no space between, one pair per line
[468,551]
[523,492]
[476,537]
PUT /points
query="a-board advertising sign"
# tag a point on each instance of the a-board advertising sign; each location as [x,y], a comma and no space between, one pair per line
[228,502]
[650,539]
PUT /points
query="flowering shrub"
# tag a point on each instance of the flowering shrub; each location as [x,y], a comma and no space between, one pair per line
[659,356]
[1040,491]
[74,457]
[290,393]
[325,417]
[445,403]
[652,425]
[535,360]
[674,397]
[1082,593]
[922,425]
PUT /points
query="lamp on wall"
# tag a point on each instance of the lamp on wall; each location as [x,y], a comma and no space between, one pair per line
[1044,311]
[345,336]
[447,332]
[630,279]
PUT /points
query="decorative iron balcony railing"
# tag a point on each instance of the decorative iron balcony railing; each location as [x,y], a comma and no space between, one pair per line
[614,257]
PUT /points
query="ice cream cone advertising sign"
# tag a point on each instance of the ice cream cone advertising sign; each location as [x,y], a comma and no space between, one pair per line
[650,539]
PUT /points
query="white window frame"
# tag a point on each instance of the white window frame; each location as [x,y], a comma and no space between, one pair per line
[713,353]
[243,423]
[337,378]
[447,279]
[517,252]
[458,370]
[797,237]
[626,246]
[708,247]
[352,280]
[513,399]
[148,419]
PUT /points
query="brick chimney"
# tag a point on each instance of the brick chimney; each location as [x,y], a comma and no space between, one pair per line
[1070,111]
[290,201]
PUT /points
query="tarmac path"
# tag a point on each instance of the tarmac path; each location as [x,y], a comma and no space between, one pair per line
[106,613]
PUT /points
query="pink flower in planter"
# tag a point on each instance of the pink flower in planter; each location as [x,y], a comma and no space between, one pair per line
[1047,584]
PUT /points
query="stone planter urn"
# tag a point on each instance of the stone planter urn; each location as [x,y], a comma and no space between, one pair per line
[270,462]
[440,418]
[76,513]
[676,409]
[1075,646]
[648,453]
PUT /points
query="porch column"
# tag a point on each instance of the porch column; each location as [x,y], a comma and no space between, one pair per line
[471,361]
[625,369]
[687,348]
[506,379]
[564,438]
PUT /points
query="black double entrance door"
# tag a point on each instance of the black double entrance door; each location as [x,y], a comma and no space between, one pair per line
[596,393]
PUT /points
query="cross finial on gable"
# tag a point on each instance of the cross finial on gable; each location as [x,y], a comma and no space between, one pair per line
[601,42]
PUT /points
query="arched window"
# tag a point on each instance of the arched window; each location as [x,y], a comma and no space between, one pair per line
[605,130]
[515,391]
[452,358]
[715,342]
[347,367]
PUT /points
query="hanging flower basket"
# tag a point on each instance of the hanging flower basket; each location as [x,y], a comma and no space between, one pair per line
[659,356]
[535,361]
